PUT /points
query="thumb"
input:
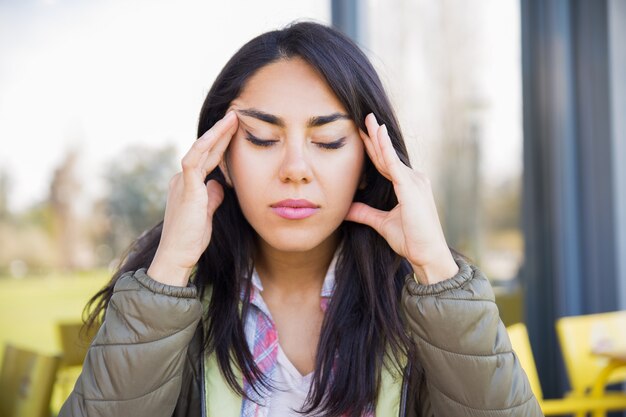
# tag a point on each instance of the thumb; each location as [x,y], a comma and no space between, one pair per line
[215,193]
[364,214]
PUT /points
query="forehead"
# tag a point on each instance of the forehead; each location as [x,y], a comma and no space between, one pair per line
[291,89]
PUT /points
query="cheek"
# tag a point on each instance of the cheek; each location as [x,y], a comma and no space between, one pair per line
[343,175]
[239,168]
[240,162]
[352,167]
[252,180]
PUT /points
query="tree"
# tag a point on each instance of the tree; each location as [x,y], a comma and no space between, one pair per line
[5,185]
[138,182]
[64,190]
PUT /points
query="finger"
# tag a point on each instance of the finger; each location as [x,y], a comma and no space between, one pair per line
[208,138]
[215,155]
[391,160]
[364,214]
[376,130]
[203,161]
[372,127]
[369,147]
[221,132]
[203,144]
[215,193]
[368,144]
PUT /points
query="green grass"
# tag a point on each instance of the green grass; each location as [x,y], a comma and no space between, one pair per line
[30,307]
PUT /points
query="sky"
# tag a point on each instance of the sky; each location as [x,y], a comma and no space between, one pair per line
[99,75]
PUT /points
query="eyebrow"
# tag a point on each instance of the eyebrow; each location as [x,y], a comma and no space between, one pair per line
[314,121]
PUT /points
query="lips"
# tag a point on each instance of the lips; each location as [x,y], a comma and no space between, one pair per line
[295,209]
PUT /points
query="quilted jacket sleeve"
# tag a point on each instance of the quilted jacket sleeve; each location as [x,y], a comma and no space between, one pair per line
[469,366]
[134,365]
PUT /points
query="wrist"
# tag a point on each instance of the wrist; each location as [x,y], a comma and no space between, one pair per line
[168,273]
[431,273]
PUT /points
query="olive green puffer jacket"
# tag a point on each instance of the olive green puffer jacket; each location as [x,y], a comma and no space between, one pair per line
[144,359]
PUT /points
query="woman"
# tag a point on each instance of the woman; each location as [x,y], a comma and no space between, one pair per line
[297,215]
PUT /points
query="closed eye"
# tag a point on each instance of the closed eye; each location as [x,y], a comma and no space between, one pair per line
[269,142]
[259,142]
[332,145]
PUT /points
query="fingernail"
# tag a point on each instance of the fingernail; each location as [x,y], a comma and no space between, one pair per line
[229,115]
[374,116]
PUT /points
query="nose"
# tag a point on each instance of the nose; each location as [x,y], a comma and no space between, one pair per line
[295,165]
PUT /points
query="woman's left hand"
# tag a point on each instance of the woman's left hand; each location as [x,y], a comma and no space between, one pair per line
[412,228]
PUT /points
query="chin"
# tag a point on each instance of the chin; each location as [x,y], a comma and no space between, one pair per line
[291,240]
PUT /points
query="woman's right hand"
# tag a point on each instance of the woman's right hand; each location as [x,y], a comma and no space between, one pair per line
[187,225]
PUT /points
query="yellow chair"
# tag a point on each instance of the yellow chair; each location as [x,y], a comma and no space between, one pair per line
[578,406]
[74,344]
[26,382]
[74,341]
[590,373]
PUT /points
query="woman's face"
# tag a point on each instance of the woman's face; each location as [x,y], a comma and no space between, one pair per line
[296,160]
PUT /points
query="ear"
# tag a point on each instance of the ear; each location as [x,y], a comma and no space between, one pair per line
[224,168]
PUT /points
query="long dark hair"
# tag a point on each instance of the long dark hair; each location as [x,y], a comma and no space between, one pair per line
[362,329]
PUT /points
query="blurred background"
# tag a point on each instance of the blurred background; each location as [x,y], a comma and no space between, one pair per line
[516,109]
